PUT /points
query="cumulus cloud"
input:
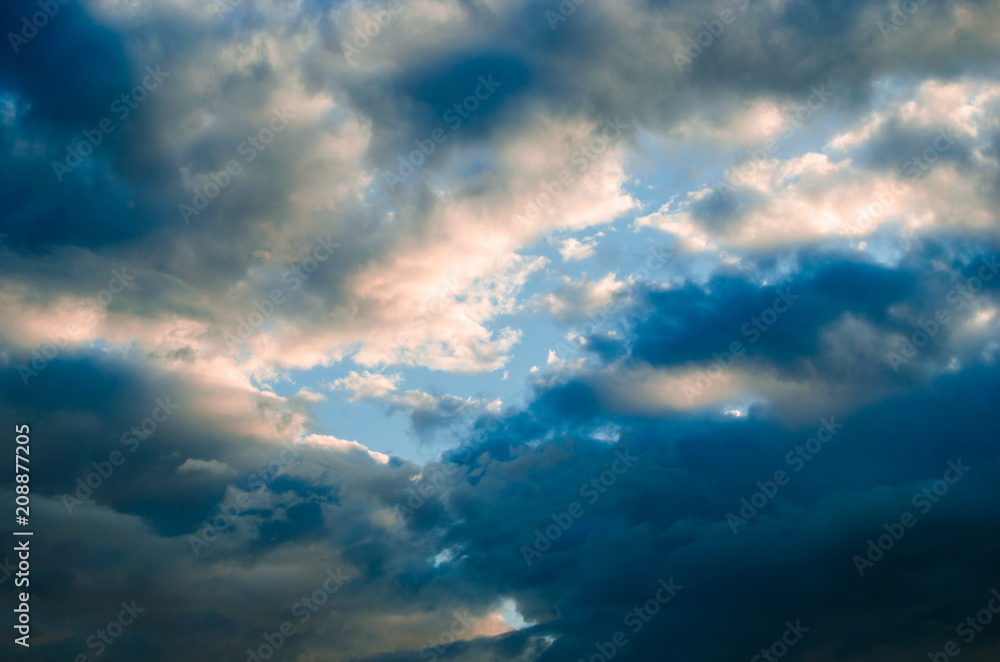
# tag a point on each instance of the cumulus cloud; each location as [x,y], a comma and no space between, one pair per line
[578,299]
[427,411]
[923,163]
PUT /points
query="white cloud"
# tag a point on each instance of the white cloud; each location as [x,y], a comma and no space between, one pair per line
[193,465]
[368,385]
[573,249]
[343,446]
[583,297]
[778,202]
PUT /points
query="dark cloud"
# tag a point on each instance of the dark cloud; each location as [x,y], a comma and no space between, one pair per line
[663,516]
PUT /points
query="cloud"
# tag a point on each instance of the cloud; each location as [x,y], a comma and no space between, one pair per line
[211,466]
[578,299]
[326,441]
[427,411]
[918,170]
[368,385]
[573,249]
[304,255]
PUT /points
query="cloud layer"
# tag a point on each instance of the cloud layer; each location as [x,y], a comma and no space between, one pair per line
[692,306]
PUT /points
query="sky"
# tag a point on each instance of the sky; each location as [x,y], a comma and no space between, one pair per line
[500,330]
